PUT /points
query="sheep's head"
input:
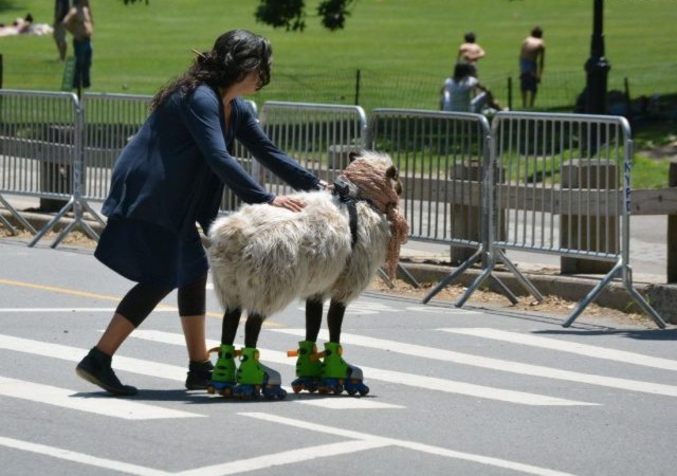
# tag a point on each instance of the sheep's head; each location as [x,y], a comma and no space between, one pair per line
[376,179]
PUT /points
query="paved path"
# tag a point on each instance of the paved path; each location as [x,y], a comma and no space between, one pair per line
[453,391]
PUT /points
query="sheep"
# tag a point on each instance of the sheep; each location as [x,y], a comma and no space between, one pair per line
[263,258]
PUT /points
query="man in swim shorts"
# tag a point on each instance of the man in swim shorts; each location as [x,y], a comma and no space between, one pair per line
[531,62]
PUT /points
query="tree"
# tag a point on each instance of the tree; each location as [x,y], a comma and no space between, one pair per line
[290,14]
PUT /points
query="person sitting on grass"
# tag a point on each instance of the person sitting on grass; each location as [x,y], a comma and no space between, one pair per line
[457,92]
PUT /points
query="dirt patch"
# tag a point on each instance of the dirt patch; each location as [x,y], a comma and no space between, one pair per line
[551,305]
[74,238]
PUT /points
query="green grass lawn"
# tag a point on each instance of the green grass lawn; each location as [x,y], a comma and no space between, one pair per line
[403,49]
[402,43]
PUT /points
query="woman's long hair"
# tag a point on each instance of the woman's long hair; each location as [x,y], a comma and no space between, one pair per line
[235,54]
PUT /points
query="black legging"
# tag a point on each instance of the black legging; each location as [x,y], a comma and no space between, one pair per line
[140,301]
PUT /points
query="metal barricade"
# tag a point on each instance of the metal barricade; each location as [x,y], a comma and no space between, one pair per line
[318,136]
[442,158]
[111,120]
[40,139]
[563,188]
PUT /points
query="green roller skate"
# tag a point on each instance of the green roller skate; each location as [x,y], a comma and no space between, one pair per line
[308,367]
[255,379]
[337,375]
[223,377]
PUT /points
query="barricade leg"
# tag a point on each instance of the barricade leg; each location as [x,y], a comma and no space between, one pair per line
[17,216]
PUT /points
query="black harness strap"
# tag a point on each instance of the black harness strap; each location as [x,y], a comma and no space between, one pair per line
[352,213]
[342,192]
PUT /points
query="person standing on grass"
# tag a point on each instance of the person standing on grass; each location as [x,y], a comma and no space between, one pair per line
[79,23]
[61,8]
[531,63]
[470,52]
[168,179]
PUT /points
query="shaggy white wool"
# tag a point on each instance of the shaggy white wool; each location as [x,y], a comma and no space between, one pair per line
[264,257]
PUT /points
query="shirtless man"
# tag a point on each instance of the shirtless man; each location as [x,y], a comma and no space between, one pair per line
[531,61]
[470,52]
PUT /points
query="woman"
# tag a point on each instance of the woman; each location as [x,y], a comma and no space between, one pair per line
[172,175]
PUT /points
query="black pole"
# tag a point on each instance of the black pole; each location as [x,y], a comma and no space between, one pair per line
[597,67]
[357,88]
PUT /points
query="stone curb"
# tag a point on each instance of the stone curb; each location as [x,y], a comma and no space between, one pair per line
[662,297]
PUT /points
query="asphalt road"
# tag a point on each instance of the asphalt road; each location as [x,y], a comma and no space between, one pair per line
[453,391]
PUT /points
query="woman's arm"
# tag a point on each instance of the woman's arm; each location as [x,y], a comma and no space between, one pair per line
[252,136]
[202,115]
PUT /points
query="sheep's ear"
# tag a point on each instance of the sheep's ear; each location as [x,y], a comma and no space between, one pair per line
[354,154]
[391,172]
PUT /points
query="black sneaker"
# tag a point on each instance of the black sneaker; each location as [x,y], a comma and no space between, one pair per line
[199,375]
[96,368]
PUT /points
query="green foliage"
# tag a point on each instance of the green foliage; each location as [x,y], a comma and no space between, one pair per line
[282,13]
[333,13]
[290,14]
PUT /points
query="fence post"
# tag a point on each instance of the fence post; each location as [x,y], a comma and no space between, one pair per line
[357,87]
[583,230]
[465,218]
[672,230]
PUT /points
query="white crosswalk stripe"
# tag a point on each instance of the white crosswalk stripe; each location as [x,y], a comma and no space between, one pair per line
[571,347]
[400,378]
[66,398]
[498,364]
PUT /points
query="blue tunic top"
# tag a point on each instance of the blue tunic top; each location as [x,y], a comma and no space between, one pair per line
[173,170]
[171,176]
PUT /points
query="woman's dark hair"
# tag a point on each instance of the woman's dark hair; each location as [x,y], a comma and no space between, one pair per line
[235,54]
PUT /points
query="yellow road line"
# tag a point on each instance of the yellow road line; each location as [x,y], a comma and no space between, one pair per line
[73,292]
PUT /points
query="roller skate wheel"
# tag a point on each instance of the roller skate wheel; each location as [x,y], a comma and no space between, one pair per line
[273,393]
[246,392]
[211,390]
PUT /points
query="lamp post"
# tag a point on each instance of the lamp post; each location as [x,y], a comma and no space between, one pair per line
[597,67]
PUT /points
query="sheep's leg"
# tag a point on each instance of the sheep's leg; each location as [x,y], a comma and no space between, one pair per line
[308,363]
[254,378]
[335,320]
[314,308]
[338,375]
[224,377]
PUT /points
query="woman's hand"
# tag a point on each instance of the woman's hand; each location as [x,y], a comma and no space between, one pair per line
[290,203]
